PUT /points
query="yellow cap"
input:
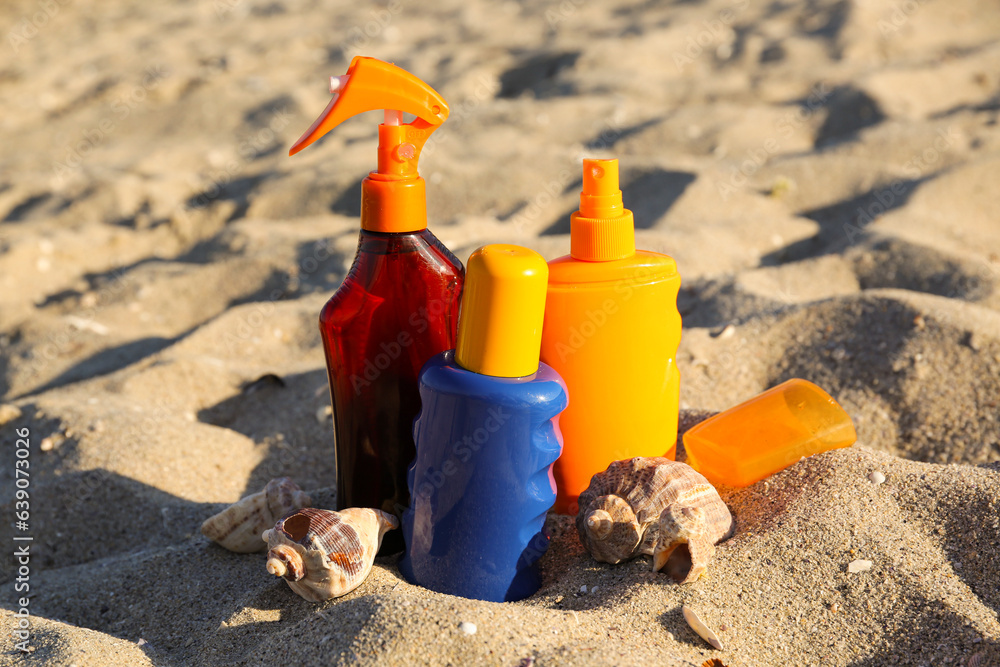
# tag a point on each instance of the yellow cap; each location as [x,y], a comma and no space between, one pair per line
[603,229]
[500,323]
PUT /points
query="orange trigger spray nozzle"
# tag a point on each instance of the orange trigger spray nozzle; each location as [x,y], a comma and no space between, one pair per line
[371,85]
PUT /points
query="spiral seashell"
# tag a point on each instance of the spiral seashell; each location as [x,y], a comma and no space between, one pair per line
[240,526]
[654,507]
[324,554]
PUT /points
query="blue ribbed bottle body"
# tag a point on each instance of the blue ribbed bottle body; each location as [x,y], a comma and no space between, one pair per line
[481,482]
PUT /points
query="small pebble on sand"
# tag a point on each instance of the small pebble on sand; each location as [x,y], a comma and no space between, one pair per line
[323,414]
[856,566]
[51,442]
[9,413]
[468,628]
[876,477]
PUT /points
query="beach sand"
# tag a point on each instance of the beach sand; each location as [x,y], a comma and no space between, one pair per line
[825,174]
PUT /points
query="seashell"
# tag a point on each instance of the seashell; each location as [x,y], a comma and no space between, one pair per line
[700,628]
[713,662]
[688,532]
[324,554]
[654,507]
[240,526]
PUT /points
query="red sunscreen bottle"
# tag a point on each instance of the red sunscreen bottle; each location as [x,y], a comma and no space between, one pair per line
[398,306]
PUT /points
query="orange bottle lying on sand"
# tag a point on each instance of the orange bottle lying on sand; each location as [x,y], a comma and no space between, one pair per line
[768,433]
[611,331]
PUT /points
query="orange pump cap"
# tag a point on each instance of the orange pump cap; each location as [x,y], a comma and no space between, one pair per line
[369,85]
[601,197]
[603,229]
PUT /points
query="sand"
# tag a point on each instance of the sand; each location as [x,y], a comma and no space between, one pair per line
[824,174]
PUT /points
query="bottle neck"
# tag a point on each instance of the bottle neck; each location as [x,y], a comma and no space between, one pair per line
[602,240]
[392,204]
[393,243]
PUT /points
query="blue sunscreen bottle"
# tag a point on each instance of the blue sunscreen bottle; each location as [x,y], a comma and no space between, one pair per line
[486,438]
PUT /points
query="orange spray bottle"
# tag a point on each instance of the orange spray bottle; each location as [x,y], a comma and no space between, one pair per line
[611,331]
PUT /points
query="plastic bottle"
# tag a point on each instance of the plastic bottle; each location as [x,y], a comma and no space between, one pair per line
[486,438]
[768,433]
[398,305]
[611,331]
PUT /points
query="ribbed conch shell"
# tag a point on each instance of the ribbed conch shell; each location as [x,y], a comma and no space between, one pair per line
[654,507]
[324,554]
[240,526]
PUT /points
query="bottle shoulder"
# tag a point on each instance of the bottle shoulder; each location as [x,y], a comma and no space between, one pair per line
[446,254]
[408,246]
[644,265]
[443,374]
[409,268]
